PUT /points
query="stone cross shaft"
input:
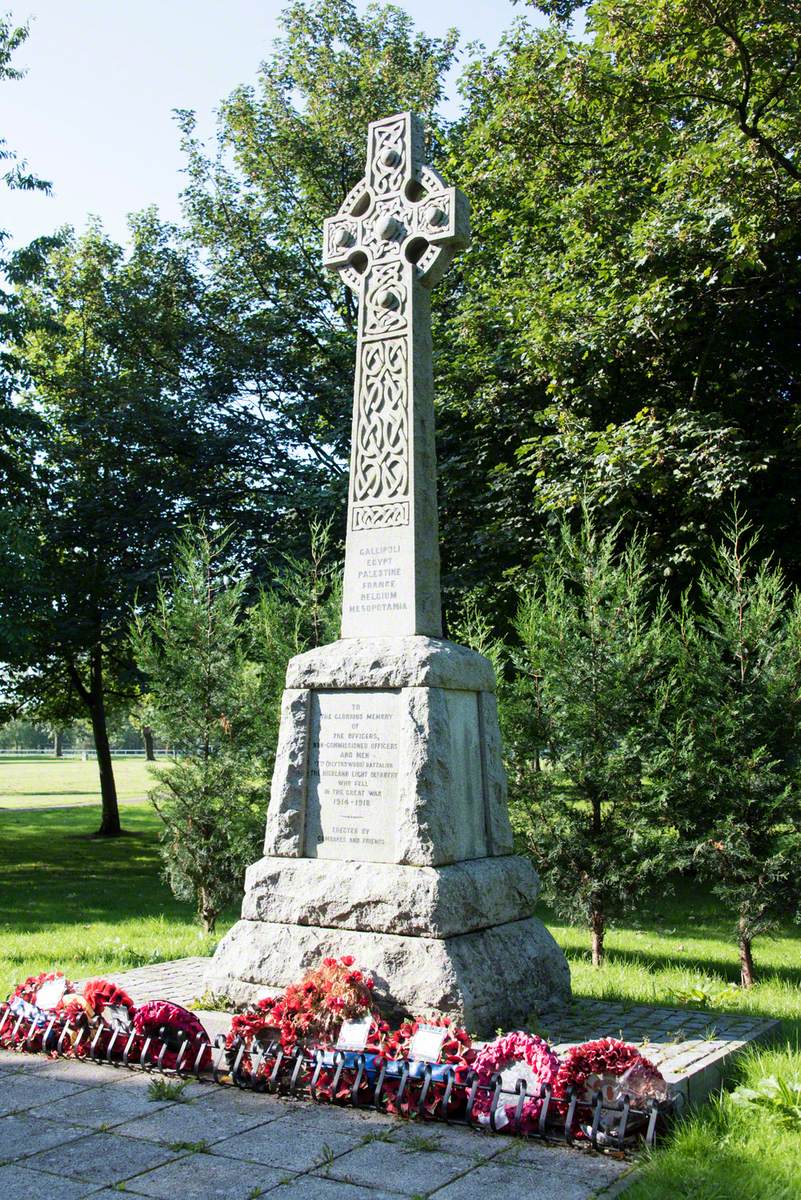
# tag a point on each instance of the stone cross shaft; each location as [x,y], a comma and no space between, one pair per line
[392,239]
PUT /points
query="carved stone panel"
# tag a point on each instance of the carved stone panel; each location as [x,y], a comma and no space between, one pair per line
[353,775]
[381,428]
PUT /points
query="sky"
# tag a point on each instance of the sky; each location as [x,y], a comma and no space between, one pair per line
[94,112]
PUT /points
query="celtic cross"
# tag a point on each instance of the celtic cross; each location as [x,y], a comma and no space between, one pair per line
[392,239]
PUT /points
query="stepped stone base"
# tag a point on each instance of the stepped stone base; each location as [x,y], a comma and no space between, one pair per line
[485,979]
[388,838]
[434,902]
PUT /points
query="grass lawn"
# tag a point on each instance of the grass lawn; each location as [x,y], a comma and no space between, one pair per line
[92,906]
[41,782]
[87,905]
[720,1152]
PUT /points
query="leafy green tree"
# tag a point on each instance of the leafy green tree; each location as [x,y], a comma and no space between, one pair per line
[627,316]
[730,771]
[17,425]
[193,651]
[134,430]
[215,671]
[591,683]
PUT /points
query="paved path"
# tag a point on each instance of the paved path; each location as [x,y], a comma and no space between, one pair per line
[70,1130]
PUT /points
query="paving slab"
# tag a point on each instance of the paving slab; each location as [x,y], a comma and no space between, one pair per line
[592,1169]
[24,1134]
[19,1183]
[259,1105]
[206,1177]
[523,1180]
[312,1187]
[287,1143]
[195,1122]
[451,1139]
[103,1107]
[101,1158]
[399,1168]
[19,1092]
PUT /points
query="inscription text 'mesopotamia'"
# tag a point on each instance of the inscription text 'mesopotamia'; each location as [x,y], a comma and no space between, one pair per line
[353,775]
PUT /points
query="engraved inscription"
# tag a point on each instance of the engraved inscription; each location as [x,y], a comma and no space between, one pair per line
[353,775]
[379,579]
[381,452]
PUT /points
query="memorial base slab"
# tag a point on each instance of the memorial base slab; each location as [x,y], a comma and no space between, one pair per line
[486,979]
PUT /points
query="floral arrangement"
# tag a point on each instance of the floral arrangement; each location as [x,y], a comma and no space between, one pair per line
[506,1051]
[456,1053]
[586,1067]
[94,1012]
[309,1016]
[311,1010]
[613,1068]
[170,1025]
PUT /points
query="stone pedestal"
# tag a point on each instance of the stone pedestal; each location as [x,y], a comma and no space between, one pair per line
[388,838]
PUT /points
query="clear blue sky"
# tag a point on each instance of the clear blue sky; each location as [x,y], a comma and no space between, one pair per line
[94,112]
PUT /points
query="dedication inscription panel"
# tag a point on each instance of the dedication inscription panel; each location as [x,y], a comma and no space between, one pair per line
[351,808]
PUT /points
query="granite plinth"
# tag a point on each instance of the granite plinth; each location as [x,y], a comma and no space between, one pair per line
[496,976]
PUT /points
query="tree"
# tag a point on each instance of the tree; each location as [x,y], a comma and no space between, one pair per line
[134,429]
[17,425]
[193,651]
[591,681]
[628,313]
[730,769]
[215,672]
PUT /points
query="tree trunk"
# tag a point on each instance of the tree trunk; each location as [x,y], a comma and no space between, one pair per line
[746,959]
[207,914]
[58,748]
[597,932]
[147,737]
[110,820]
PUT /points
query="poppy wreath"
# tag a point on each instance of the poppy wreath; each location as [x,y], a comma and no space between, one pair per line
[595,1066]
[338,1087]
[169,1024]
[504,1052]
[22,1003]
[457,1052]
[85,1011]
[309,1013]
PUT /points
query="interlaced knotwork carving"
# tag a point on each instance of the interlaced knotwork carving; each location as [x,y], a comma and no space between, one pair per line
[386,300]
[388,156]
[381,516]
[381,460]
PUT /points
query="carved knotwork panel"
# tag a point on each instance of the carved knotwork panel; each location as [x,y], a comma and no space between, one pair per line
[381,516]
[386,300]
[381,436]
[394,154]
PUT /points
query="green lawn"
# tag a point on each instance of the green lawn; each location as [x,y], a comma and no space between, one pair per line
[90,906]
[721,1152]
[42,782]
[83,904]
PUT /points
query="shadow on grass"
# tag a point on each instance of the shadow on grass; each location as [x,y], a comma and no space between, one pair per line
[701,965]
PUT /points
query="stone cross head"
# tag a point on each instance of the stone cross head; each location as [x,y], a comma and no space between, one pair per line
[401,212]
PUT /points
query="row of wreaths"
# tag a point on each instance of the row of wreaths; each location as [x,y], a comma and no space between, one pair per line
[604,1091]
